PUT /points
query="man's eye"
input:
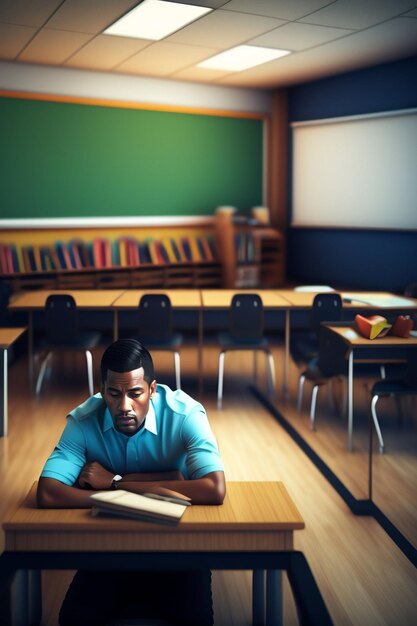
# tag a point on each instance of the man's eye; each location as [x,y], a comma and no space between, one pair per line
[135,395]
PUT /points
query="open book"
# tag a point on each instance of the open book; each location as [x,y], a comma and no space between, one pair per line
[148,507]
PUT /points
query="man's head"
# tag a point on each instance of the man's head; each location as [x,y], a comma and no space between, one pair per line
[128,383]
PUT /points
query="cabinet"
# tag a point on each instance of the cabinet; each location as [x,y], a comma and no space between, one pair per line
[250,256]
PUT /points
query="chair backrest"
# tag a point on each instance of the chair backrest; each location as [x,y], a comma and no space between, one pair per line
[61,319]
[246,321]
[327,307]
[155,318]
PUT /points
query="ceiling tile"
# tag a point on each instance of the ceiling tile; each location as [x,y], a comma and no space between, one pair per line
[89,17]
[283,9]
[223,29]
[27,12]
[297,36]
[164,58]
[362,49]
[104,52]
[13,38]
[53,44]
[357,14]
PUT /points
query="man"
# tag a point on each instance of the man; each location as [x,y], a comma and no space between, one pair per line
[142,437]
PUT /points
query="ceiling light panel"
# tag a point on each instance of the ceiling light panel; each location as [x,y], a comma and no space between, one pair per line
[242,58]
[155,19]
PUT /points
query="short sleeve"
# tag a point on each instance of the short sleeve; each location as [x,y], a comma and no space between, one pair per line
[202,453]
[68,457]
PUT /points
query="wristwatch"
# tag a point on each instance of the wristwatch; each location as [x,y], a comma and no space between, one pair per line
[115,480]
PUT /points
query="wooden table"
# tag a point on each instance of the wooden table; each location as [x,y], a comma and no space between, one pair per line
[252,530]
[7,338]
[358,300]
[359,348]
[87,299]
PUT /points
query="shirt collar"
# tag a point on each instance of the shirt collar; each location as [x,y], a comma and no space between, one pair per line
[150,420]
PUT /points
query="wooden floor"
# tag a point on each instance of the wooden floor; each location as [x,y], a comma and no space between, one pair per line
[364,578]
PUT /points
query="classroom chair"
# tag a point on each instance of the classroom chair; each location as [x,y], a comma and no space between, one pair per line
[396,388]
[304,344]
[246,332]
[331,363]
[63,335]
[156,328]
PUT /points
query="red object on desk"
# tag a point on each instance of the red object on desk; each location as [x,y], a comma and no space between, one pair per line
[402,326]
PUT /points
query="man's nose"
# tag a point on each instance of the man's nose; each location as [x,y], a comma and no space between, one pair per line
[125,404]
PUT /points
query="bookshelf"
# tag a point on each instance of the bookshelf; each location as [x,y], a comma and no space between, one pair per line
[250,255]
[194,264]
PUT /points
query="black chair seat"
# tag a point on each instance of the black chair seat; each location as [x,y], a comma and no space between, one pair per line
[84,341]
[172,343]
[389,387]
[226,341]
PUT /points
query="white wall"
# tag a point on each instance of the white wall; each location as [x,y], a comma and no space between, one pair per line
[82,83]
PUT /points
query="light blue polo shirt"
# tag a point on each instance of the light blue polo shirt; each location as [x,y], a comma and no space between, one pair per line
[176,436]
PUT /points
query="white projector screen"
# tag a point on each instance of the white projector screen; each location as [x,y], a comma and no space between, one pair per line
[356,172]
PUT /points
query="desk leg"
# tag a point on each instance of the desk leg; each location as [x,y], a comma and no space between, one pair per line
[3,383]
[115,325]
[286,353]
[350,402]
[35,596]
[258,597]
[274,604]
[26,599]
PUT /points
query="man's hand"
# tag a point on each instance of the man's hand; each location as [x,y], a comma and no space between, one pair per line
[95,476]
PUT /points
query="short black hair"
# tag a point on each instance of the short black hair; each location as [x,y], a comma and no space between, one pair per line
[125,355]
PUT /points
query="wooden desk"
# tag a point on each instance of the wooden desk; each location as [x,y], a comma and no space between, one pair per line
[7,338]
[360,348]
[358,300]
[253,529]
[31,301]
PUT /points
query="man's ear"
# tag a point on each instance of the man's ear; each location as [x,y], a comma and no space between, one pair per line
[152,388]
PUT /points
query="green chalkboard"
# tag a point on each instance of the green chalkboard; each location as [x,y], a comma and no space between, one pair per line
[62,159]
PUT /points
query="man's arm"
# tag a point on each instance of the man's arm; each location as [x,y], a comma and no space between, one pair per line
[52,494]
[210,489]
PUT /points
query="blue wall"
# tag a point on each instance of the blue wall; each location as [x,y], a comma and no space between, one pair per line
[362,259]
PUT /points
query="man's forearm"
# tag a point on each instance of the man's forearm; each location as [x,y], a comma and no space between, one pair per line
[209,489]
[52,494]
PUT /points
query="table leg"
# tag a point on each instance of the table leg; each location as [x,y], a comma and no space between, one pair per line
[3,383]
[19,605]
[350,402]
[115,325]
[274,603]
[35,596]
[286,353]
[258,597]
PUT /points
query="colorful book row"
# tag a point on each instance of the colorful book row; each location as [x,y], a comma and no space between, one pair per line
[105,253]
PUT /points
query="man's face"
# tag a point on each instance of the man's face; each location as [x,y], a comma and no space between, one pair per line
[127,395]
